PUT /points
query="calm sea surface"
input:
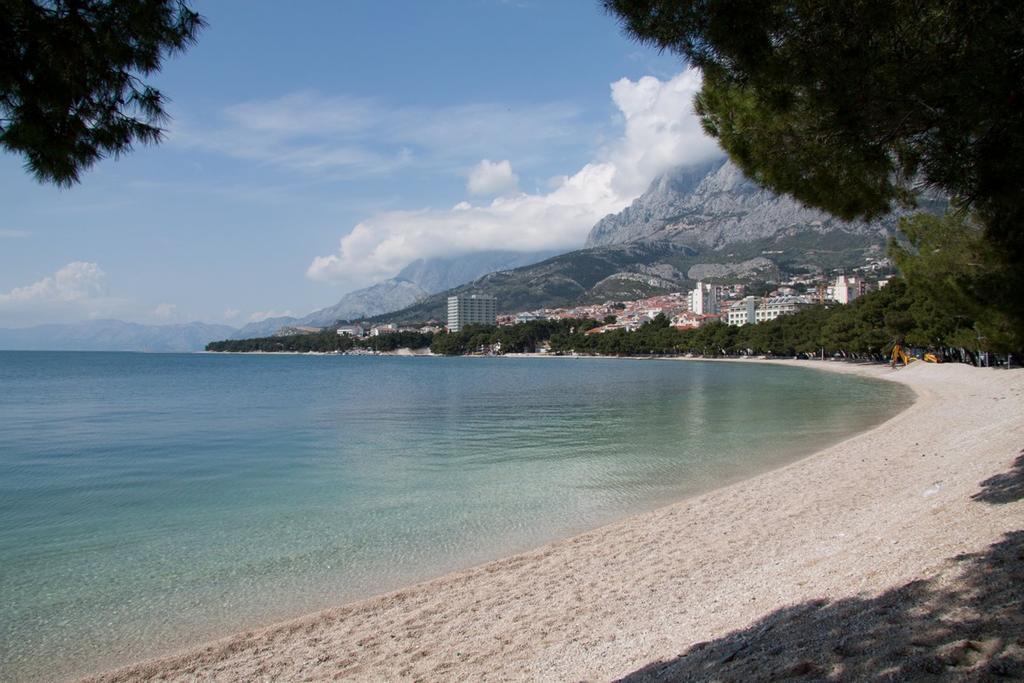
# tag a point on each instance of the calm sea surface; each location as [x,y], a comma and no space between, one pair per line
[149,502]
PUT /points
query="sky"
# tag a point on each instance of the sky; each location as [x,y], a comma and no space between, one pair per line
[318,149]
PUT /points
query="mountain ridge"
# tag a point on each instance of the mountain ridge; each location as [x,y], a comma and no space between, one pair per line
[417,281]
[720,208]
[699,222]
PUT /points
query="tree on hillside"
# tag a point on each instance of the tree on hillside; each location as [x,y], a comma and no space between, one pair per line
[846,105]
[71,89]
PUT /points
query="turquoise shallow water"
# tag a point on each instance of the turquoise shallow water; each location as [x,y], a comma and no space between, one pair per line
[149,502]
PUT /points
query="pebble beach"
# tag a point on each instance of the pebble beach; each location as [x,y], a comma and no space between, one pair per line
[896,553]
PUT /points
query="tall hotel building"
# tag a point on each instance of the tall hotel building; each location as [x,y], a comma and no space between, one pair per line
[471,309]
[704,299]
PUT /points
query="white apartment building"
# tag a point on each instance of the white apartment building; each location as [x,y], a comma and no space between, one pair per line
[471,309]
[846,289]
[528,317]
[743,312]
[753,309]
[703,299]
[772,307]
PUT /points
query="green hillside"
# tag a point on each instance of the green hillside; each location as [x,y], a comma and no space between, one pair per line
[646,268]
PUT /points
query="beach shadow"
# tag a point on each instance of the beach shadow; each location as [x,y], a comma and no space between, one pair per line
[966,624]
[1004,488]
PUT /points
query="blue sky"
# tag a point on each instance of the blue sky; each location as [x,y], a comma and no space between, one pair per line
[318,148]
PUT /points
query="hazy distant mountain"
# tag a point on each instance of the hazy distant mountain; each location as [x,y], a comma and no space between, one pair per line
[391,295]
[261,328]
[415,282]
[438,274]
[112,335]
[382,297]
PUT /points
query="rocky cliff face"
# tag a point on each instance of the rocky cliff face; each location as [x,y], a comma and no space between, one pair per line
[713,205]
[652,210]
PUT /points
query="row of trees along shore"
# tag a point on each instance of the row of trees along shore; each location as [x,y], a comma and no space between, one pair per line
[327,341]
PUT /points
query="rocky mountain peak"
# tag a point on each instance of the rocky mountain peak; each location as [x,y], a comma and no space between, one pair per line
[714,204]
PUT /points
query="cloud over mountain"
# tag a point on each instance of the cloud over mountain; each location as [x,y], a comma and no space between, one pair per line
[659,131]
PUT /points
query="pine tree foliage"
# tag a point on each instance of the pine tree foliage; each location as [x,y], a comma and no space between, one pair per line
[71,88]
[849,106]
[960,274]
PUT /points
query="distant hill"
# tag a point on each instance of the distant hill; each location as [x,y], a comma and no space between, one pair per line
[389,295]
[414,283]
[112,335]
[261,328]
[382,297]
[558,281]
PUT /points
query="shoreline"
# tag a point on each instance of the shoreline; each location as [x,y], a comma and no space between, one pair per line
[619,598]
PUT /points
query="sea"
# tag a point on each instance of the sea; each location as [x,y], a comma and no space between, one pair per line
[151,502]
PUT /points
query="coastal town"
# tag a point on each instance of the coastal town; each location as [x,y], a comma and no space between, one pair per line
[686,310]
[868,315]
[706,303]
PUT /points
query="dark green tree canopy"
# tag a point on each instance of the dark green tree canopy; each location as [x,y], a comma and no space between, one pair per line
[850,106]
[70,78]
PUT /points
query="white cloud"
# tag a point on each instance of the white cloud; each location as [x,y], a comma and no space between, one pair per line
[75,292]
[303,113]
[492,178]
[325,135]
[231,313]
[11,234]
[660,131]
[263,315]
[77,281]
